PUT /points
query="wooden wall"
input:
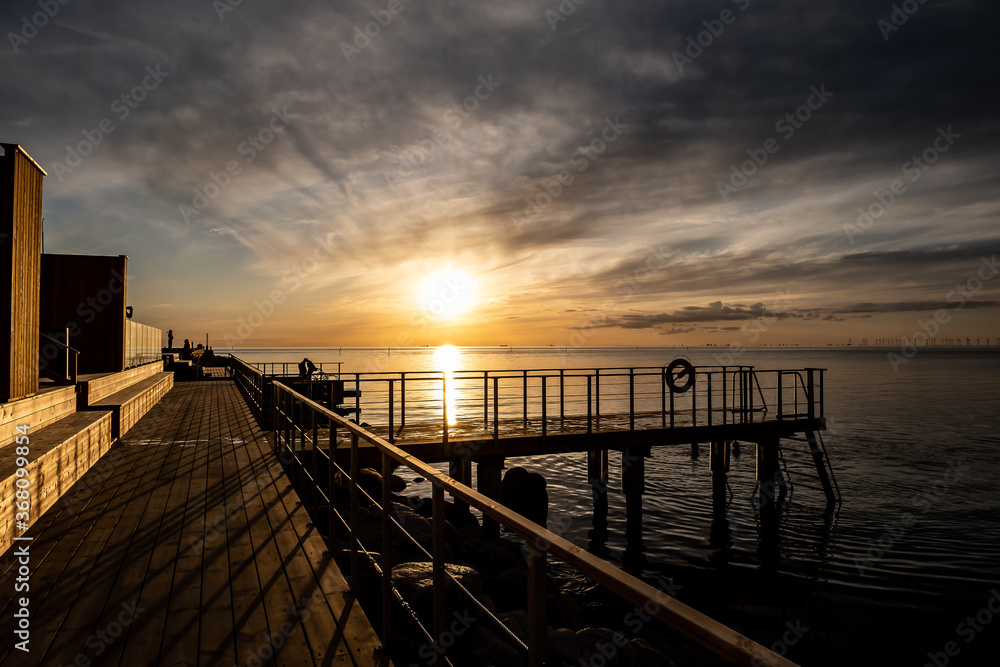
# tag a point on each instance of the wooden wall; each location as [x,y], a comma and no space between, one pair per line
[87,295]
[20,250]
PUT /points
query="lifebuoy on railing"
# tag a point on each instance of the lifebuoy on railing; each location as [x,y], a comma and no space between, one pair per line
[679,381]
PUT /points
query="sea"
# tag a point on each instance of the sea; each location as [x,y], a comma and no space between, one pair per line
[904,571]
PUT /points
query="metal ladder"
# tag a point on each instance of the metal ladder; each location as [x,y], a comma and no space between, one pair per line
[812,463]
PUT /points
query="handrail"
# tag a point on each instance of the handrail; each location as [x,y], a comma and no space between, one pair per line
[442,398]
[708,632]
[72,356]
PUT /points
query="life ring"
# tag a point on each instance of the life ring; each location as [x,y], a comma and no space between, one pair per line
[671,375]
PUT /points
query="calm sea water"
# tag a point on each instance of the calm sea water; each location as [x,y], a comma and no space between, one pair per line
[902,572]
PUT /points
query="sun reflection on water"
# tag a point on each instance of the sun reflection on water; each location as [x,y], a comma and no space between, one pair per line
[447,359]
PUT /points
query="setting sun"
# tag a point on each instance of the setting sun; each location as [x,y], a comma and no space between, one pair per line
[447,294]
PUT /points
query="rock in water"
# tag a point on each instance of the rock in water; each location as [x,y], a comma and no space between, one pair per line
[524,492]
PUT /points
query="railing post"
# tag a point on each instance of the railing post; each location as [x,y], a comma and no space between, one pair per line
[589,414]
[444,408]
[809,394]
[708,384]
[597,394]
[725,399]
[663,401]
[486,398]
[332,481]
[386,560]
[496,409]
[537,607]
[355,475]
[439,579]
[314,456]
[544,407]
[357,397]
[524,397]
[392,430]
[402,401]
[780,398]
[631,399]
[562,394]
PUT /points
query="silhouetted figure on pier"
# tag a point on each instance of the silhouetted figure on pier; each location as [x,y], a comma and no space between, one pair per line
[306,368]
[170,340]
[186,350]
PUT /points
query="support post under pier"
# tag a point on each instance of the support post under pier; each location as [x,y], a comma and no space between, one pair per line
[769,477]
[720,467]
[633,486]
[597,475]
[489,472]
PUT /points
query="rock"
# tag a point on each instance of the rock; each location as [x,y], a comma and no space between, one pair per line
[486,648]
[644,655]
[517,622]
[564,645]
[415,582]
[397,483]
[611,645]
[524,492]
[491,556]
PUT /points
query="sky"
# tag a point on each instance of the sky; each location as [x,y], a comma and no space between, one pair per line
[572,173]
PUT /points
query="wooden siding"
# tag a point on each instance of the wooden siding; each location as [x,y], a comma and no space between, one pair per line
[20,249]
[87,295]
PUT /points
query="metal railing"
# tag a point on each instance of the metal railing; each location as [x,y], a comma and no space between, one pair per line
[300,424]
[581,398]
[291,368]
[143,344]
[57,360]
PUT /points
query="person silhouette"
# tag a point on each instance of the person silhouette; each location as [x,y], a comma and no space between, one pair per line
[306,368]
[186,350]
[170,340]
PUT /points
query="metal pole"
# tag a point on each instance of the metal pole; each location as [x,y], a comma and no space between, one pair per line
[444,407]
[496,408]
[392,430]
[439,579]
[355,475]
[562,392]
[386,560]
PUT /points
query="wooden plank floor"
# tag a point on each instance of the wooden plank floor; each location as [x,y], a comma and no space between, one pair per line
[184,545]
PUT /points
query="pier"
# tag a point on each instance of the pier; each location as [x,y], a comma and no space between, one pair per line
[185,541]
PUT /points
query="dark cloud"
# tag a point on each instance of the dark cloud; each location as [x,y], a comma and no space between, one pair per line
[527,179]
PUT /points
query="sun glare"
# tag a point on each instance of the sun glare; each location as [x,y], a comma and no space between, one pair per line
[447,359]
[447,294]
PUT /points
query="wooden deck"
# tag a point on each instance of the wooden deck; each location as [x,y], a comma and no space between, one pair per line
[184,545]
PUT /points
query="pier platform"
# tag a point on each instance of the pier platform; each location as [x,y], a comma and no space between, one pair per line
[185,544]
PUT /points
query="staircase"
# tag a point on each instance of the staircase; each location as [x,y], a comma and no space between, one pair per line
[805,464]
